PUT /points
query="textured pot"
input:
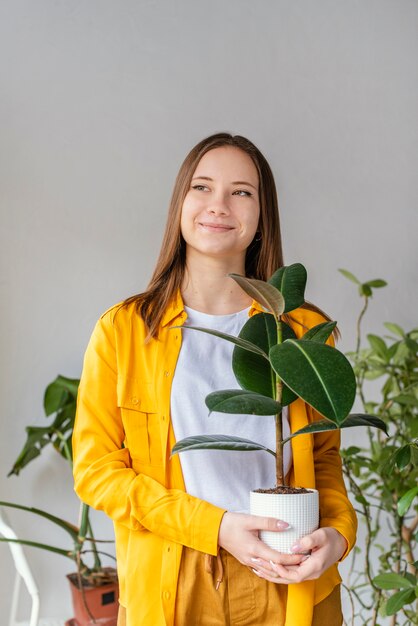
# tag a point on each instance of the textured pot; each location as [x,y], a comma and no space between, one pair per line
[299,510]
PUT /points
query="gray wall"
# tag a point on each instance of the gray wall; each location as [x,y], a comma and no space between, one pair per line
[100,102]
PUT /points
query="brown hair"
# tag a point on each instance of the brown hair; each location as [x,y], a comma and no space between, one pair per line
[264,254]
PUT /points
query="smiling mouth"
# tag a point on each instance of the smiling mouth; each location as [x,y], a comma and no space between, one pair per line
[216,227]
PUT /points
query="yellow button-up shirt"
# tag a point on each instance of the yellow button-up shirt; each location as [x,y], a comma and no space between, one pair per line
[122,465]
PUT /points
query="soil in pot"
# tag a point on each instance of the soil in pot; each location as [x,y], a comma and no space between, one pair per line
[283,489]
[99,601]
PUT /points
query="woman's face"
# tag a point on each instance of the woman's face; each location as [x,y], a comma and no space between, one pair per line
[221,210]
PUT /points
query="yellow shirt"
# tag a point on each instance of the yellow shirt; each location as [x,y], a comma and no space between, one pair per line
[122,442]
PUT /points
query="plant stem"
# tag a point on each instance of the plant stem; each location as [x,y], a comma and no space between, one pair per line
[280,479]
[279,451]
[367,519]
[97,562]
[363,311]
[86,529]
[407,534]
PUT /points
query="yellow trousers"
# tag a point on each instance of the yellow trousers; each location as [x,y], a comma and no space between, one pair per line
[223,592]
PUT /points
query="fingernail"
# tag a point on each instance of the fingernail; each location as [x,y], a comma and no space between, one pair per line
[274,566]
[255,560]
[296,547]
[257,573]
[282,525]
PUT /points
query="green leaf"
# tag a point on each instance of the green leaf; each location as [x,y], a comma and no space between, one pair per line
[264,293]
[241,401]
[60,392]
[290,280]
[392,581]
[43,546]
[406,400]
[412,345]
[412,578]
[352,451]
[242,343]
[321,332]
[362,419]
[405,502]
[403,457]
[69,528]
[253,372]
[355,419]
[398,600]
[378,345]
[365,290]
[395,329]
[375,373]
[350,276]
[317,373]
[217,442]
[377,282]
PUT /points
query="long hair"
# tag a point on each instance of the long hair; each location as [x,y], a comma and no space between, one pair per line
[263,256]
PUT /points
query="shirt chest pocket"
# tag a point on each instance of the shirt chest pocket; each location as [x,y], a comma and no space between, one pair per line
[136,400]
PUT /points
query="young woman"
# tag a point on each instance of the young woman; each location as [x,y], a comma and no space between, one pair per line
[186,554]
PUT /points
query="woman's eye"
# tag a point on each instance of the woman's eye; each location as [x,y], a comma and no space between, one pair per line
[243,192]
[199,187]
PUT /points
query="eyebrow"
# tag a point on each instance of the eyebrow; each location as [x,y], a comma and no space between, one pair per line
[235,182]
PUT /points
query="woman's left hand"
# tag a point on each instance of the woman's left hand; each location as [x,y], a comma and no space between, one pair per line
[326,546]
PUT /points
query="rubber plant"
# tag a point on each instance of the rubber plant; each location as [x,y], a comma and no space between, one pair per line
[274,368]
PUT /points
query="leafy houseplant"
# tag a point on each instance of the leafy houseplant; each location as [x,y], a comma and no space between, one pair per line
[274,368]
[94,588]
[383,476]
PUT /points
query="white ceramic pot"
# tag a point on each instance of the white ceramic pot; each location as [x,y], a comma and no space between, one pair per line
[299,510]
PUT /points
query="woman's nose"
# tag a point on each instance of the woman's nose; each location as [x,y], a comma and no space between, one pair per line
[219,206]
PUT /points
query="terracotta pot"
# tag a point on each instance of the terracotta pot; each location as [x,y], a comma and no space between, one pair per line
[299,510]
[102,602]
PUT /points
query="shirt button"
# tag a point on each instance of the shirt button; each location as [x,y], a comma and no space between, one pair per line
[166,373]
[135,400]
[166,595]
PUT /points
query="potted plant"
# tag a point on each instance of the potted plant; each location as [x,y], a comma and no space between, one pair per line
[383,475]
[94,589]
[274,368]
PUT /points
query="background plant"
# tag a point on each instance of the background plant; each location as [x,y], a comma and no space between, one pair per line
[60,399]
[383,474]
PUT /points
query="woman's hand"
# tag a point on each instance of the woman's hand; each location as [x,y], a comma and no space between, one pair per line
[326,546]
[238,534]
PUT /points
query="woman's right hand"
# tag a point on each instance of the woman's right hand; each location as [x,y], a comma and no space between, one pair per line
[238,534]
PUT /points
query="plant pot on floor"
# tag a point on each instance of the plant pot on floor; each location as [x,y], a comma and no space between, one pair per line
[101,601]
[299,510]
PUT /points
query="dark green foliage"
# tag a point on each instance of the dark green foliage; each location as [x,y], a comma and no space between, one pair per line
[59,400]
[275,368]
[254,372]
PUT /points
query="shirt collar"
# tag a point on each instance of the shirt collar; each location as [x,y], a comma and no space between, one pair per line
[176,309]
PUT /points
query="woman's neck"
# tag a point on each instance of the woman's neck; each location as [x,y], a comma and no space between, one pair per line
[208,288]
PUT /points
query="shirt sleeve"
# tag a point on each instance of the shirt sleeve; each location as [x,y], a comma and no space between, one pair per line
[103,473]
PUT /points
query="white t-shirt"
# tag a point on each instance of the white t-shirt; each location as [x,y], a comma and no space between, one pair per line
[222,477]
